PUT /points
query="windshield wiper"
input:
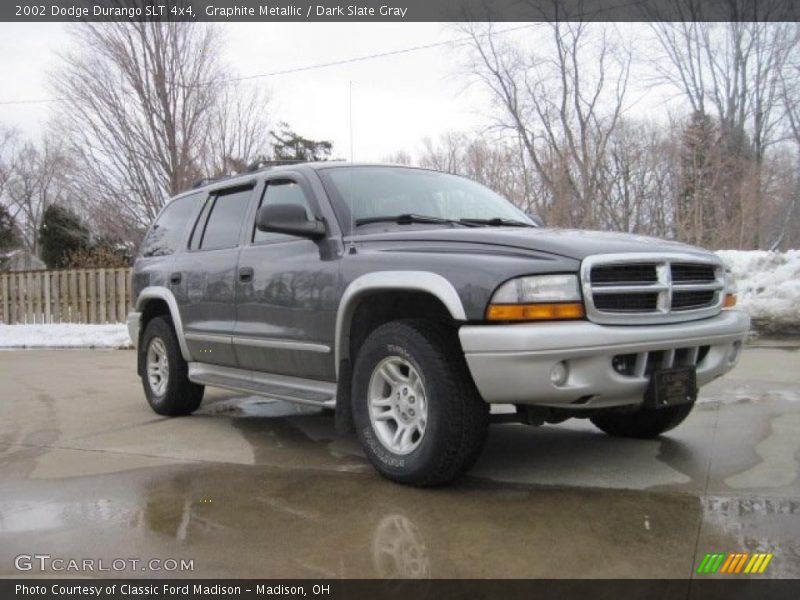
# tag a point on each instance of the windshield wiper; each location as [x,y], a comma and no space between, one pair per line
[497,222]
[408,218]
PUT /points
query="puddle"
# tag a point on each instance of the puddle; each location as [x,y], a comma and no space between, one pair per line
[295,523]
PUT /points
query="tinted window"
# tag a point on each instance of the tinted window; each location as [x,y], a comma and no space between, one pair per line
[225,221]
[281,191]
[166,234]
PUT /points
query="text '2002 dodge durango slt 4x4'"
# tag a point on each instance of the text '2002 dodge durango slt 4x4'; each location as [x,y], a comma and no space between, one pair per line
[410,300]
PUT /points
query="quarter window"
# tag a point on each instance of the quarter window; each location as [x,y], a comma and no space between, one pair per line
[166,234]
[225,220]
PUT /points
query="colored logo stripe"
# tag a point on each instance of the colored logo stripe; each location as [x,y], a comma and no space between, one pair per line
[734,563]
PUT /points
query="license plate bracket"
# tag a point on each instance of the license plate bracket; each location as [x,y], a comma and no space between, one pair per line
[671,387]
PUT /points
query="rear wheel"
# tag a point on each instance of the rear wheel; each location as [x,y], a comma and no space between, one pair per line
[643,423]
[165,374]
[417,413]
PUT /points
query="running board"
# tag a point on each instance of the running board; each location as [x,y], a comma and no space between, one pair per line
[281,387]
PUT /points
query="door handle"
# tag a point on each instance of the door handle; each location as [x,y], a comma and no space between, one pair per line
[175,278]
[246,274]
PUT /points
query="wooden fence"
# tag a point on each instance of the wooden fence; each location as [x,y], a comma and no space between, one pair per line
[65,296]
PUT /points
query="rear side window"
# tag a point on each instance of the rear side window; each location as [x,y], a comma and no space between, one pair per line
[225,220]
[281,191]
[166,234]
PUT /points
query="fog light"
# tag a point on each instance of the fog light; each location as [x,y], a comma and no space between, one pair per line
[559,373]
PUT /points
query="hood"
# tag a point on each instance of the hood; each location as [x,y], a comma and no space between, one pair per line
[571,243]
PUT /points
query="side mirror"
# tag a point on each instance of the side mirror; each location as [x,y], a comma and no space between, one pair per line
[536,219]
[290,219]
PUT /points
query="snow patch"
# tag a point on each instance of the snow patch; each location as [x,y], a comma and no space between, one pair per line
[65,335]
[768,286]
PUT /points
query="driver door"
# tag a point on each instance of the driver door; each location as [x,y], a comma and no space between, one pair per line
[285,293]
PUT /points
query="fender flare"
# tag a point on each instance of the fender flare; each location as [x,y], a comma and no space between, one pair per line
[160,293]
[418,281]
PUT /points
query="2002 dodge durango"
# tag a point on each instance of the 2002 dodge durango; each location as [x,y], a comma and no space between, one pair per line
[409,301]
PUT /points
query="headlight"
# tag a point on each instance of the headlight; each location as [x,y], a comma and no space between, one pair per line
[730,291]
[537,298]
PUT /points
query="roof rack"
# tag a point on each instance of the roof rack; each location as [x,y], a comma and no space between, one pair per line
[251,168]
[260,164]
[201,182]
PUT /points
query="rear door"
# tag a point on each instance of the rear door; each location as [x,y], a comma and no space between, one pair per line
[203,278]
[286,292]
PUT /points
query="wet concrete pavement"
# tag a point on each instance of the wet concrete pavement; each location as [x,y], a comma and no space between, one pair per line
[249,487]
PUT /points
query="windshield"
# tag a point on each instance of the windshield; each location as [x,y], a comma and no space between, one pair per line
[370,192]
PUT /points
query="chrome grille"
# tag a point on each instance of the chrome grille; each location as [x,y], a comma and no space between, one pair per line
[651,288]
[624,274]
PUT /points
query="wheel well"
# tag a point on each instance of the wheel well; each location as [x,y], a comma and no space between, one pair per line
[373,309]
[154,307]
[381,306]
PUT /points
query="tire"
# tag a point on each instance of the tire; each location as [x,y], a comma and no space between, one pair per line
[443,397]
[170,393]
[644,423]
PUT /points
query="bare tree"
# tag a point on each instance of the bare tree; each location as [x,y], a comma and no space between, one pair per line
[8,141]
[143,109]
[36,183]
[639,180]
[563,103]
[495,163]
[238,131]
[790,97]
[732,72]
[400,157]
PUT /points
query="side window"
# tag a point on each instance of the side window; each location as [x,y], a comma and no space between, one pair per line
[166,234]
[281,191]
[225,221]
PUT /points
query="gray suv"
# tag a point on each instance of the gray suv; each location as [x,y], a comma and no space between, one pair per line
[408,301]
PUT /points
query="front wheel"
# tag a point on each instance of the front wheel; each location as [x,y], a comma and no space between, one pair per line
[417,413]
[643,423]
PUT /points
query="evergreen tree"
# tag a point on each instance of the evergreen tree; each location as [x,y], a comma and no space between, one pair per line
[699,159]
[288,145]
[62,234]
[8,231]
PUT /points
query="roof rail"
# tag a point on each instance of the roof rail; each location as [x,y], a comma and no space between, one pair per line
[251,168]
[201,182]
[260,164]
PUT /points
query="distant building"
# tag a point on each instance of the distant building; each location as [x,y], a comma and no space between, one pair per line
[21,260]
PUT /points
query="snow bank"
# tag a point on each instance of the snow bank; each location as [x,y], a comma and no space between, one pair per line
[66,335]
[768,288]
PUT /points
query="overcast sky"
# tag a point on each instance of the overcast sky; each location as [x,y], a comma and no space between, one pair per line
[397,100]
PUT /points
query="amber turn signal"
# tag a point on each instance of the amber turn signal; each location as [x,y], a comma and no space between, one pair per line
[535,312]
[730,301]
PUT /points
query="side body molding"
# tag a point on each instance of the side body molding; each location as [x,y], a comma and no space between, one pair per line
[422,281]
[161,293]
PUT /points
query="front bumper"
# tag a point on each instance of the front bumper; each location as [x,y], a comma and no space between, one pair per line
[511,364]
[134,319]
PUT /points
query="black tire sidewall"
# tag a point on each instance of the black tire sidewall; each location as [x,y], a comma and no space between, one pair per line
[174,400]
[404,344]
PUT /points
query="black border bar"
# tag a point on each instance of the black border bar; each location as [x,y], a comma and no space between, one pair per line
[398,10]
[734,588]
